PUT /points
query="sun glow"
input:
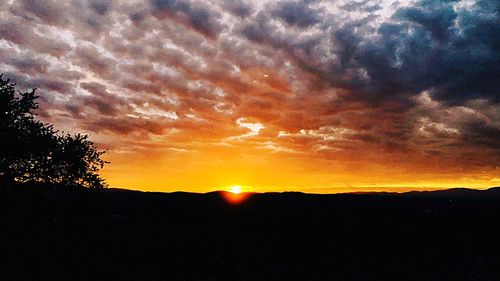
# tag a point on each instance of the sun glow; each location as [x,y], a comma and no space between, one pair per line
[235,194]
[236,189]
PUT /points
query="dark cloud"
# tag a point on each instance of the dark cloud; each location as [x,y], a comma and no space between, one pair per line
[365,6]
[296,13]
[30,65]
[44,83]
[437,18]
[101,7]
[91,58]
[49,12]
[238,8]
[20,33]
[103,101]
[198,17]
[123,126]
[433,47]
[481,134]
[66,75]
[52,84]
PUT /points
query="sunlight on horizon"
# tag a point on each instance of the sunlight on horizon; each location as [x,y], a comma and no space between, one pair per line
[236,194]
[236,189]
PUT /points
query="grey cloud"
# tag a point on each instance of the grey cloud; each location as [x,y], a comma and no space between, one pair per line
[103,101]
[424,51]
[481,134]
[90,19]
[42,82]
[101,7]
[95,88]
[296,13]
[67,74]
[90,58]
[123,125]
[17,32]
[365,6]
[51,84]
[49,12]
[257,30]
[198,17]
[426,46]
[238,8]
[30,65]
[437,18]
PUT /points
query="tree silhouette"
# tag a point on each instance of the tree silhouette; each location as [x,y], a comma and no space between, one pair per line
[33,152]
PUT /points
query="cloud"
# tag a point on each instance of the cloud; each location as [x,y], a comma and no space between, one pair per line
[395,79]
[19,32]
[26,63]
[199,18]
[101,100]
[253,127]
[296,13]
[238,8]
[48,12]
[90,58]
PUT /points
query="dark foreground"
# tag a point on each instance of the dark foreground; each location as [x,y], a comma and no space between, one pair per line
[54,234]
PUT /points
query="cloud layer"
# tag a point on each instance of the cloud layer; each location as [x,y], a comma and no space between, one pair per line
[350,84]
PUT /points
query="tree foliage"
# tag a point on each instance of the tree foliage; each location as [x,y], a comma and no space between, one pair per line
[33,152]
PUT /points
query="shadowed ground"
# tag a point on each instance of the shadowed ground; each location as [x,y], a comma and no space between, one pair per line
[50,233]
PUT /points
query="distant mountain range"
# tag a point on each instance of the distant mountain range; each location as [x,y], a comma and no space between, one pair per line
[51,233]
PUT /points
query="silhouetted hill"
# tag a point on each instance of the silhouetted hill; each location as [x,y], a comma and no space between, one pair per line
[459,192]
[50,233]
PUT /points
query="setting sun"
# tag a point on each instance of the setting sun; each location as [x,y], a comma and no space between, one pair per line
[236,189]
[235,194]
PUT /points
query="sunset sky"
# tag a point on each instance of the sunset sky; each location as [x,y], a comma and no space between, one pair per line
[314,95]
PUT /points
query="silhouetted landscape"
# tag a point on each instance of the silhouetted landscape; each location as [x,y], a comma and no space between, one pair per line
[51,233]
[246,97]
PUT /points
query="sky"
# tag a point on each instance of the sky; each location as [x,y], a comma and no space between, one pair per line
[314,95]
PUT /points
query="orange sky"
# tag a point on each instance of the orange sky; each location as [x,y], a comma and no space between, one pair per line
[314,96]
[261,171]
